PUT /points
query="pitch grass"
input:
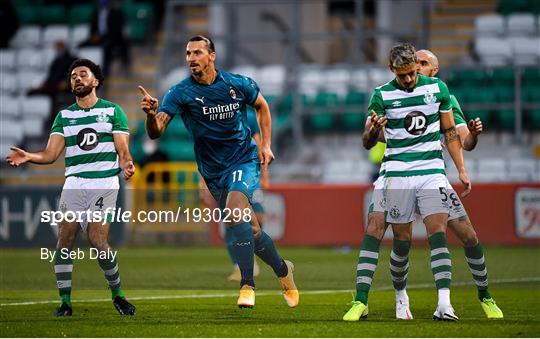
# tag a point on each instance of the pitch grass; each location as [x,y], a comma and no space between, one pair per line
[174,277]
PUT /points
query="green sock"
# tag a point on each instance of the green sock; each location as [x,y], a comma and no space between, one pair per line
[441,264]
[367,263]
[477,266]
[110,270]
[63,268]
[399,263]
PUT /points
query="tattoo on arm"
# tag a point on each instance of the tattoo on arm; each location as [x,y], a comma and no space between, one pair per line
[451,135]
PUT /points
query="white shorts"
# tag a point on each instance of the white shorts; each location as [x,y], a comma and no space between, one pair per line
[377,198]
[457,210]
[85,194]
[404,195]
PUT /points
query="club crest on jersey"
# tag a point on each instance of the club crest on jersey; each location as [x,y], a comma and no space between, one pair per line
[394,212]
[102,117]
[232,93]
[429,98]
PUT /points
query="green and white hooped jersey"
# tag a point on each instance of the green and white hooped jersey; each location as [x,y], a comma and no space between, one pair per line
[459,117]
[412,132]
[88,134]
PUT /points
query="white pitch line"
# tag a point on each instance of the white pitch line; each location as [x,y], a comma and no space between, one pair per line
[225,295]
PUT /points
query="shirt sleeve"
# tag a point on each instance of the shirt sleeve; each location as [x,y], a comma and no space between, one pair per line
[459,117]
[120,123]
[171,104]
[57,126]
[252,121]
[446,105]
[250,89]
[376,103]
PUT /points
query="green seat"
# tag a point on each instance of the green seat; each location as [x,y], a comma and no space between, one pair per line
[281,121]
[139,16]
[504,94]
[531,94]
[81,13]
[323,107]
[482,114]
[503,77]
[27,14]
[482,96]
[535,119]
[505,119]
[352,121]
[52,14]
[137,151]
[177,150]
[176,131]
[531,76]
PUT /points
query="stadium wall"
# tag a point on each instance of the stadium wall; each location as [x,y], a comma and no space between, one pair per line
[336,215]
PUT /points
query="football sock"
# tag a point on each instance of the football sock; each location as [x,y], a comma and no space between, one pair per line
[266,250]
[241,245]
[367,263]
[399,263]
[477,266]
[441,264]
[63,268]
[110,269]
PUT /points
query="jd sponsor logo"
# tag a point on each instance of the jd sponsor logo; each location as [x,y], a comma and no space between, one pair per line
[87,139]
[416,123]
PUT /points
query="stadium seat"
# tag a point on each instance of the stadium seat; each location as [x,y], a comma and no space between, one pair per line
[514,6]
[505,119]
[310,80]
[36,105]
[27,37]
[503,77]
[337,80]
[9,107]
[30,59]
[354,115]
[8,83]
[81,13]
[176,131]
[178,151]
[531,76]
[7,60]
[93,53]
[482,114]
[323,114]
[526,50]
[535,119]
[78,34]
[271,79]
[139,16]
[54,33]
[489,25]
[531,94]
[32,127]
[360,80]
[11,132]
[521,170]
[28,79]
[504,94]
[491,170]
[521,24]
[247,70]
[52,14]
[493,51]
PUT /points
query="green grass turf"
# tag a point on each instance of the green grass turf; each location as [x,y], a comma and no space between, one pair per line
[326,276]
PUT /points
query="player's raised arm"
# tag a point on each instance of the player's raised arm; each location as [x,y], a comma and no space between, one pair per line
[469,134]
[156,122]
[265,122]
[373,130]
[54,148]
[455,149]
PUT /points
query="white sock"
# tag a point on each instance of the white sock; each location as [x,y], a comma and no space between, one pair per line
[402,295]
[444,296]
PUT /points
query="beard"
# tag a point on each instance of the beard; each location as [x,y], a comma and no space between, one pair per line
[83,91]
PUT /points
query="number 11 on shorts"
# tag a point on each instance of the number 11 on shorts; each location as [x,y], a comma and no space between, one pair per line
[237,175]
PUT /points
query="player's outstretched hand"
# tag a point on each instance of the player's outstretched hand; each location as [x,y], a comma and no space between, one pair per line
[18,157]
[129,169]
[475,126]
[266,156]
[464,177]
[377,121]
[149,104]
